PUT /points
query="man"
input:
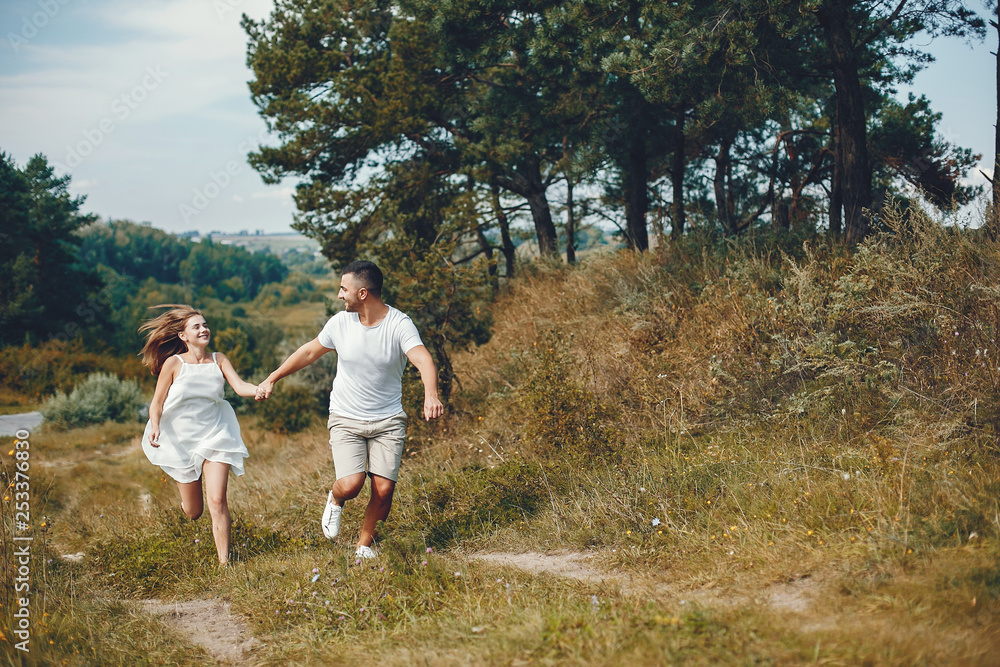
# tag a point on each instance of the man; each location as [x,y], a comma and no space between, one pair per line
[367,423]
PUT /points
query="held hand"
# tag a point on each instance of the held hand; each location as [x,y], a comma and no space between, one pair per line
[433,408]
[264,390]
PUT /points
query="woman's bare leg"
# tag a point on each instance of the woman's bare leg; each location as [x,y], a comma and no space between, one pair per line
[192,503]
[216,486]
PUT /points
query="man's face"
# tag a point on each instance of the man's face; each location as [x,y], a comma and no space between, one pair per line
[351,292]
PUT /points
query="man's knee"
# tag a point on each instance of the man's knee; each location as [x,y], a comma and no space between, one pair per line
[383,487]
[349,487]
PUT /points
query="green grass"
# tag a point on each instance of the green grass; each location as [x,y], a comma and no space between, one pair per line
[768,460]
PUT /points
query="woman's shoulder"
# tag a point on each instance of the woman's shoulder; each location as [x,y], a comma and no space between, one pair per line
[172,364]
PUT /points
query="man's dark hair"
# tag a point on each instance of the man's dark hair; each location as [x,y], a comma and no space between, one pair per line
[367,274]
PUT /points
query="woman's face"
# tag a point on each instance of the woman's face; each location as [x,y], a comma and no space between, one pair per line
[196,331]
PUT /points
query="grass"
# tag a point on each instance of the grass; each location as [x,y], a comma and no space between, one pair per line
[773,454]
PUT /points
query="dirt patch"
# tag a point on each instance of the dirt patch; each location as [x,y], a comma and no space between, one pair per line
[796,596]
[209,624]
[572,565]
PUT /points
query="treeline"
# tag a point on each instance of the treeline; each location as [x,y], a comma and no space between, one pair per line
[73,290]
[431,121]
[140,251]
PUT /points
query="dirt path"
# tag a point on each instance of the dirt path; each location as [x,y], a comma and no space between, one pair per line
[209,624]
[795,596]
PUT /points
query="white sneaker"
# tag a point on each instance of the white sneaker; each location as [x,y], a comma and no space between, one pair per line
[331,518]
[365,552]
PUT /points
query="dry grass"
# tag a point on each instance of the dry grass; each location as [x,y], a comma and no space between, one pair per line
[780,455]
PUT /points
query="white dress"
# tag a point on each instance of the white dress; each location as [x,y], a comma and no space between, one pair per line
[197,425]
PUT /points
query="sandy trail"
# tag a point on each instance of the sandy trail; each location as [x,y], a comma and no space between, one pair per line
[209,624]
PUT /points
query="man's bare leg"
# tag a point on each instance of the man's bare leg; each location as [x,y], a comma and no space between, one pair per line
[378,508]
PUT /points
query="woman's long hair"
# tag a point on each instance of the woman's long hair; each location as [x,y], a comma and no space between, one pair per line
[162,341]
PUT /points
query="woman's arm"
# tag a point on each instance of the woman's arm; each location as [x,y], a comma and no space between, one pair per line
[163,382]
[239,385]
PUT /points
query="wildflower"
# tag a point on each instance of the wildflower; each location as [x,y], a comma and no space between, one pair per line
[196,541]
[656,522]
[315,577]
[430,549]
[458,574]
[315,570]
[847,475]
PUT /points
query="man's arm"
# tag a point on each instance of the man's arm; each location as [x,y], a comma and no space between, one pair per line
[296,361]
[421,358]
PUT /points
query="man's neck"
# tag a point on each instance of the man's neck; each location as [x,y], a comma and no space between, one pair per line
[371,313]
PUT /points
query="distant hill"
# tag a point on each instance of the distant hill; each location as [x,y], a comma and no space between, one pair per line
[275,243]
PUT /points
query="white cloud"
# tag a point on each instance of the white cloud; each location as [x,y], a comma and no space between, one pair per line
[275,193]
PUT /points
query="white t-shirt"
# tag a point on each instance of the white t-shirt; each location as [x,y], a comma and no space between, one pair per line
[370,363]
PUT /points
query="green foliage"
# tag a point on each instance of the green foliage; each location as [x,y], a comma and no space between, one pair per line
[295,288]
[473,500]
[562,417]
[449,304]
[40,370]
[145,563]
[292,408]
[140,254]
[136,251]
[101,397]
[44,289]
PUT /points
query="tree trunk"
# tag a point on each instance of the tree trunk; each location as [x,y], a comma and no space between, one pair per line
[994,221]
[851,131]
[678,164]
[446,373]
[491,265]
[722,202]
[836,189]
[636,182]
[528,183]
[506,244]
[570,224]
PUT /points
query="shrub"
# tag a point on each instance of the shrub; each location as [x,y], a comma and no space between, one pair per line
[289,410]
[99,398]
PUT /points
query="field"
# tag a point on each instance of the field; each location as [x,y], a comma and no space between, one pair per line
[742,455]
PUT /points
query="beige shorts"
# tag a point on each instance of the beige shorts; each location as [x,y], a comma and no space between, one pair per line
[375,447]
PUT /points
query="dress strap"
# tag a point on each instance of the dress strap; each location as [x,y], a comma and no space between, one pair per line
[213,357]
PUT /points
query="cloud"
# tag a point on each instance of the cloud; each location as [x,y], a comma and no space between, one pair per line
[275,193]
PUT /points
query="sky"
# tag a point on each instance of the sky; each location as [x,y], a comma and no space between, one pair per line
[145,104]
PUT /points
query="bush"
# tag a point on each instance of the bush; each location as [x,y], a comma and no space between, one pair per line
[99,398]
[289,410]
